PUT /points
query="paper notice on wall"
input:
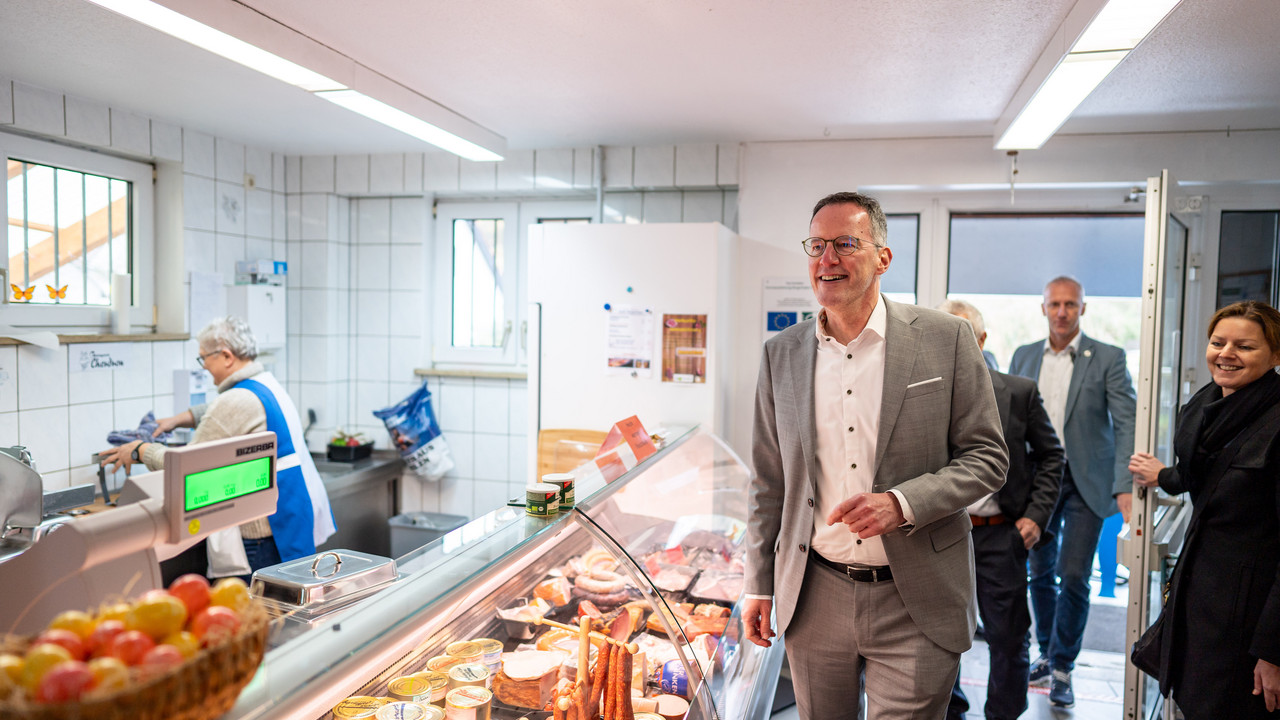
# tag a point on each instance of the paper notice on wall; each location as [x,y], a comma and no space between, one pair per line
[684,348]
[208,300]
[786,301]
[629,341]
[99,357]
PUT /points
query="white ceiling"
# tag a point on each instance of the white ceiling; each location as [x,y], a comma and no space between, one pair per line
[573,73]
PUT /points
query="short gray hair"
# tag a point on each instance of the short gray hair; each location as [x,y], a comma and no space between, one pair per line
[229,333]
[960,308]
[1068,280]
[879,224]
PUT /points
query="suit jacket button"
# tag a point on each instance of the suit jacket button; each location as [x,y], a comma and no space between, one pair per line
[810,502]
[802,547]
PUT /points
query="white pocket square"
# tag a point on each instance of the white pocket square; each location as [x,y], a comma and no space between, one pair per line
[925,382]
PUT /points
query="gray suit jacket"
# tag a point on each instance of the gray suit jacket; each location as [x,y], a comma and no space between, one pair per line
[1101,409]
[940,444]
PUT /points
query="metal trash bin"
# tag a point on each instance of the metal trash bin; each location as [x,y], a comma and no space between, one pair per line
[410,531]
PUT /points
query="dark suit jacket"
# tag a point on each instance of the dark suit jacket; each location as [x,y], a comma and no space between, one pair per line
[1035,456]
[1101,410]
[1225,594]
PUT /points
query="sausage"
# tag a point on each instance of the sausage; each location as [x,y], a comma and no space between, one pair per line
[611,689]
[599,678]
[580,700]
[628,713]
[558,709]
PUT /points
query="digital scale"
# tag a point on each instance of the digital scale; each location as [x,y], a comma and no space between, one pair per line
[115,554]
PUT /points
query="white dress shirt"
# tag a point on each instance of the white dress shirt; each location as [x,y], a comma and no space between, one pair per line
[1055,381]
[848,384]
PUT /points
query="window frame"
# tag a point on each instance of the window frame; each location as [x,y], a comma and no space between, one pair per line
[442,335]
[142,177]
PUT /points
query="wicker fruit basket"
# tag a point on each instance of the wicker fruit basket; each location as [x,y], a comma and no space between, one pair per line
[202,688]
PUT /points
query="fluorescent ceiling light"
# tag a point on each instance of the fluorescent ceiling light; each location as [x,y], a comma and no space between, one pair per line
[408,124]
[1115,30]
[1065,88]
[215,41]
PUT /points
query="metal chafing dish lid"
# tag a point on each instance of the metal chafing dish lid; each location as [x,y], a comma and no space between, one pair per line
[325,579]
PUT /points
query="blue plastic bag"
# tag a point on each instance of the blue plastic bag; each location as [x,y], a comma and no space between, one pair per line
[416,434]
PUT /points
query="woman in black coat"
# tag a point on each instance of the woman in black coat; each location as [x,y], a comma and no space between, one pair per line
[1221,643]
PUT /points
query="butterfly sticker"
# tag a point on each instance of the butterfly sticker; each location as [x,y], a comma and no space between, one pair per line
[20,294]
[57,293]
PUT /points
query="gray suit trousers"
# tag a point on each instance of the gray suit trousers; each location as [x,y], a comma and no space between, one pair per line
[842,629]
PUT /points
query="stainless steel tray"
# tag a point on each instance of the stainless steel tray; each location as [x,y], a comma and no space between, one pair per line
[325,581]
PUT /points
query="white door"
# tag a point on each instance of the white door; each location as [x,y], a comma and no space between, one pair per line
[1154,538]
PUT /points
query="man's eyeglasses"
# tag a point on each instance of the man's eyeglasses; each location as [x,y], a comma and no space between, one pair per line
[200,358]
[845,245]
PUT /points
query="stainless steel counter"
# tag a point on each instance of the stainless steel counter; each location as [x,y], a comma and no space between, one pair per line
[364,495]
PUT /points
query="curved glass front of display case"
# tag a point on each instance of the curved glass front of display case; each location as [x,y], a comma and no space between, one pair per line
[652,559]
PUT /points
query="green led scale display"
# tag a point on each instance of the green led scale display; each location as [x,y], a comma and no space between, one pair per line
[227,483]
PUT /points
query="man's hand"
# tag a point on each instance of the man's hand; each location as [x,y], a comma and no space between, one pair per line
[118,457]
[1266,682]
[1125,501]
[1030,531]
[869,514]
[756,615]
[182,419]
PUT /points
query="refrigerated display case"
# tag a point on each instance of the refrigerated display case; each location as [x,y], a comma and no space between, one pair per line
[655,555]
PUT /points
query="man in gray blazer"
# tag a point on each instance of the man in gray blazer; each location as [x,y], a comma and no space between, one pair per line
[1090,399]
[875,426]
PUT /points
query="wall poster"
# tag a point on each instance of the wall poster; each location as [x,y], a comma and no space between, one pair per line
[684,348]
[630,342]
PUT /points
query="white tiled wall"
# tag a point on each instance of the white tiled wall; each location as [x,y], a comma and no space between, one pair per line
[358,299]
[64,417]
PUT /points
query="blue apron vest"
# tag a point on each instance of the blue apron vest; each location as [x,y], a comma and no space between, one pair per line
[291,525]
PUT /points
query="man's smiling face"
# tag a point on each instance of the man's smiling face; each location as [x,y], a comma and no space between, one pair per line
[841,281]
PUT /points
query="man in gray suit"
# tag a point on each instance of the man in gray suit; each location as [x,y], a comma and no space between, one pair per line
[1090,399]
[875,426]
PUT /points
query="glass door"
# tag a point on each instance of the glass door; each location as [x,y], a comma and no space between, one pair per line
[1154,537]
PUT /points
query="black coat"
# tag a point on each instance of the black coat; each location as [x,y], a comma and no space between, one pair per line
[1036,458]
[1224,598]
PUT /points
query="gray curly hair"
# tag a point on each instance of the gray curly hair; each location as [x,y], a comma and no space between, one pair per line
[230,333]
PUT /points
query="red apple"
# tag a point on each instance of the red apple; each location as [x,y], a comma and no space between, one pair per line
[214,623]
[66,639]
[130,646]
[193,591]
[163,656]
[64,682]
[100,639]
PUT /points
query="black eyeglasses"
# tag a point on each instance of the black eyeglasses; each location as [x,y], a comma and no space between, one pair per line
[845,245]
[200,358]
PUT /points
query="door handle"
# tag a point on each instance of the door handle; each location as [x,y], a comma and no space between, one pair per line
[506,334]
[524,334]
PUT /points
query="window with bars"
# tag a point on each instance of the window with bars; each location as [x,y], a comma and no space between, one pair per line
[69,231]
[75,219]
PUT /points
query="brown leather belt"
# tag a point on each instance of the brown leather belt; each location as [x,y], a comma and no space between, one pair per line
[980,520]
[857,574]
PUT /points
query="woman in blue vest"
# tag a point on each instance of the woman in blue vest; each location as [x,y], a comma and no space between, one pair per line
[249,400]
